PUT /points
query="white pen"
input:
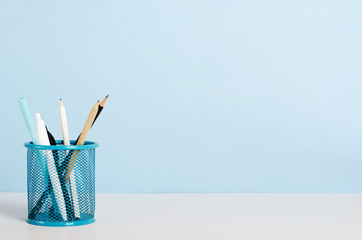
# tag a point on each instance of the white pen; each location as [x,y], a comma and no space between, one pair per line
[66,141]
[53,174]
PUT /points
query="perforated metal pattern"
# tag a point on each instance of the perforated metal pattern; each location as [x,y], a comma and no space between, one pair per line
[61,185]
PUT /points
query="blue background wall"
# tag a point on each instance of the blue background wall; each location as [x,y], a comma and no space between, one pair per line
[205,96]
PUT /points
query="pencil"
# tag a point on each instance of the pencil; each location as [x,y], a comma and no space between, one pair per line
[66,141]
[88,124]
[100,108]
[82,137]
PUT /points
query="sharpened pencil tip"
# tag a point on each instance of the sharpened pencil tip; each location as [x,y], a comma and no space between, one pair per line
[60,99]
[104,101]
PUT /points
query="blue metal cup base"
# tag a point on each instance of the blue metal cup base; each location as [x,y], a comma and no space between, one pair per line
[61,224]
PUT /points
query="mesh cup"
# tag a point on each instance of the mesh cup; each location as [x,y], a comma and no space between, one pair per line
[61,184]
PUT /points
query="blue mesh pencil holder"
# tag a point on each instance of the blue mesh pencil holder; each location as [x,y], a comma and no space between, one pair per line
[61,184]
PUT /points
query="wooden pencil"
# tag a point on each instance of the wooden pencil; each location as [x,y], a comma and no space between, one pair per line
[100,108]
[81,140]
[88,124]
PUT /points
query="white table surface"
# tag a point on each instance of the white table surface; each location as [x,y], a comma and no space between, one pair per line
[199,216]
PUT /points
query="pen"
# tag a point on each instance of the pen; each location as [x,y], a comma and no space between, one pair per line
[30,124]
[28,120]
[54,178]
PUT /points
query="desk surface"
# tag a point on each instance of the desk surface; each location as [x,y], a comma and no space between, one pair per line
[199,216]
